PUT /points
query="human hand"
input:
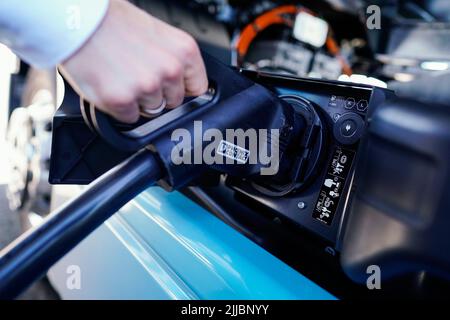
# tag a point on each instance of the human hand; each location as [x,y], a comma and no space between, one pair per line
[133,60]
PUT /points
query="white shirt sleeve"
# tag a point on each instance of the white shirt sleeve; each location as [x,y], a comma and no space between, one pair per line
[46,32]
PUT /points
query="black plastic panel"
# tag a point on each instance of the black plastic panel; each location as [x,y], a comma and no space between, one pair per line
[312,206]
[400,217]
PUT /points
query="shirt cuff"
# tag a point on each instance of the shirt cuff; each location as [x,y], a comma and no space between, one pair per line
[46,32]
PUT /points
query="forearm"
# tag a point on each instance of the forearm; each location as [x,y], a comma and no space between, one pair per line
[45,32]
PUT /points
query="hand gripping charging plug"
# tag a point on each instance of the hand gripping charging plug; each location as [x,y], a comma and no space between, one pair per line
[232,105]
[233,102]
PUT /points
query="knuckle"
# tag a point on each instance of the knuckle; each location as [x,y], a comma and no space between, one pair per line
[189,48]
[173,70]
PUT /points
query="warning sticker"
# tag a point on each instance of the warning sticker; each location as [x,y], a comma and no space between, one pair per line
[333,185]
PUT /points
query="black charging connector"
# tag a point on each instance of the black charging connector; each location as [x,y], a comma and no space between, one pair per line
[303,154]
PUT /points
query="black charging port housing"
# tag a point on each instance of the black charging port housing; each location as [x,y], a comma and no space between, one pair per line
[316,193]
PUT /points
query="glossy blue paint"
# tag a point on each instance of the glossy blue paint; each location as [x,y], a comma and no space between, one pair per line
[164,246]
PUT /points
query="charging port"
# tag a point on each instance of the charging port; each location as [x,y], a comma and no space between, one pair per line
[301,158]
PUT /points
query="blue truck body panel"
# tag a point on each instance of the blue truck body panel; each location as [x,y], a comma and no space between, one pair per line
[164,246]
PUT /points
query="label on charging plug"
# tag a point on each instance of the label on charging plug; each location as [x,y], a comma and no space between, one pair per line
[333,185]
[310,29]
[233,151]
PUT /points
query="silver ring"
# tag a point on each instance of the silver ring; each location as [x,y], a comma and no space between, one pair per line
[156,111]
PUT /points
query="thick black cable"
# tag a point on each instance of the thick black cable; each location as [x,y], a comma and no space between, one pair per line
[30,256]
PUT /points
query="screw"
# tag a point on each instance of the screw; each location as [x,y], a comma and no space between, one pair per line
[330,251]
[301,205]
